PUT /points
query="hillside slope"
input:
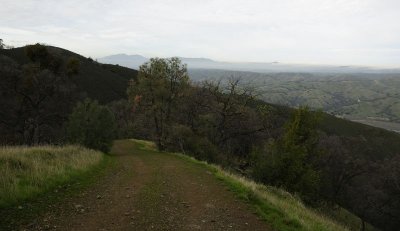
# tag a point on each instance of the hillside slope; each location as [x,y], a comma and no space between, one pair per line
[103,82]
[367,142]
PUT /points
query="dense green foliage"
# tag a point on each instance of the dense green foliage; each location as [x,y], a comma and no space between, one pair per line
[91,125]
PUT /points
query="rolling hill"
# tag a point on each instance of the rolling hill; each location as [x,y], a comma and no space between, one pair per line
[368,98]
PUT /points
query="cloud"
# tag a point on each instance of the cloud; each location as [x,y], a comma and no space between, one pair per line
[301,31]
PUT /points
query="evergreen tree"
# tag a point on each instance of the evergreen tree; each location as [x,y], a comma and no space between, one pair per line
[291,161]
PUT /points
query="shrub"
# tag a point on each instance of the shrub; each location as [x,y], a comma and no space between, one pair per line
[91,125]
[183,139]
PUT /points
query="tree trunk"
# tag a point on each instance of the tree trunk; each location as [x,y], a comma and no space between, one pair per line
[36,132]
[362,225]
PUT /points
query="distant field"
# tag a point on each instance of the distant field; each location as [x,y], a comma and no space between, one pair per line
[28,171]
[352,96]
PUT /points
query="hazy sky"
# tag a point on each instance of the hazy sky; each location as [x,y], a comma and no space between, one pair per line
[361,32]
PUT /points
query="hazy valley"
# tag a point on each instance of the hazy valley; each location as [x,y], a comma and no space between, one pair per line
[363,94]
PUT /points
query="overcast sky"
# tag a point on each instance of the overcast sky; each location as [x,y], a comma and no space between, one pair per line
[358,32]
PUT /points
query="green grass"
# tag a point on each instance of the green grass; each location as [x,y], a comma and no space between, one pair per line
[27,172]
[277,207]
[145,145]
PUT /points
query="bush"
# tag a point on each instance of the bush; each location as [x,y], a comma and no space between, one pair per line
[184,140]
[91,125]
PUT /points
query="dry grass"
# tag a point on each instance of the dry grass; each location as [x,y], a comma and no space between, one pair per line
[28,171]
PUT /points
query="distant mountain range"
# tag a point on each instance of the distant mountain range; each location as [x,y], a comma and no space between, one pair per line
[130,61]
[134,61]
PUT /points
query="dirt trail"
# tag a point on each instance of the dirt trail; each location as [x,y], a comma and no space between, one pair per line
[148,190]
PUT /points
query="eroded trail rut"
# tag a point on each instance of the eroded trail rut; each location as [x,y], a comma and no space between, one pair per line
[148,190]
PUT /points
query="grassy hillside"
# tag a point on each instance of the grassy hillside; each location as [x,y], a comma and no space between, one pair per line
[27,172]
[103,82]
